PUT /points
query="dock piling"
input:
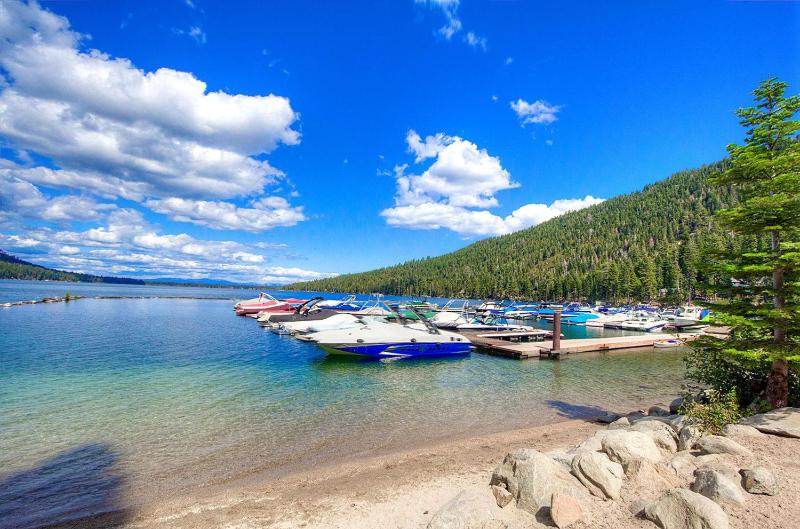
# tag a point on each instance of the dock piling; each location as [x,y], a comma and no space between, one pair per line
[556,331]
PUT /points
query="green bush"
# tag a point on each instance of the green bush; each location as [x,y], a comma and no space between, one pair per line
[712,416]
[722,368]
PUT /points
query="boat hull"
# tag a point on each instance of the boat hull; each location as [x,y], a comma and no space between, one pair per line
[399,350]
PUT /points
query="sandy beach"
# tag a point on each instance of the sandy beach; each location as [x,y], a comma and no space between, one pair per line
[403,490]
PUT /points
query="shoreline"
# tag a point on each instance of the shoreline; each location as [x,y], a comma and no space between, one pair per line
[330,495]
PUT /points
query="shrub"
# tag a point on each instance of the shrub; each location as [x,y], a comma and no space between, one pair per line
[712,416]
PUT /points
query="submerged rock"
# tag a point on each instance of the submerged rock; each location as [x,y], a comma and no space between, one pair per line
[601,476]
[624,446]
[759,480]
[783,421]
[469,509]
[716,444]
[684,509]
[532,477]
[565,510]
[715,486]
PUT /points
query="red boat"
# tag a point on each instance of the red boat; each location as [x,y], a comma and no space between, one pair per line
[266,303]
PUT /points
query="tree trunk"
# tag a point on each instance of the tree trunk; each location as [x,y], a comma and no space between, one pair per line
[778,384]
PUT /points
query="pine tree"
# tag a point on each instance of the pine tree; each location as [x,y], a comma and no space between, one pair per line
[761,278]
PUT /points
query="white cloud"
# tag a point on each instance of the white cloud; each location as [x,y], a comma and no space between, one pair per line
[509,60]
[461,175]
[127,243]
[265,213]
[19,198]
[537,112]
[160,131]
[457,187]
[475,41]
[429,148]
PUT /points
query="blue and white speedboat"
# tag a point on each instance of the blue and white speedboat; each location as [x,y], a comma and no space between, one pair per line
[347,304]
[377,339]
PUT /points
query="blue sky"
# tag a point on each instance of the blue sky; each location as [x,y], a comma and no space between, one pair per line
[338,137]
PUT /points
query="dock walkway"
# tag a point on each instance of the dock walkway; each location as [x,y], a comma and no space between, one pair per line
[510,345]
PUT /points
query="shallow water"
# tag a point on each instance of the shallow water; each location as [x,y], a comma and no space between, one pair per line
[105,403]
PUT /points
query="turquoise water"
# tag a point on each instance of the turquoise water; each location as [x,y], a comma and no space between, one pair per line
[106,403]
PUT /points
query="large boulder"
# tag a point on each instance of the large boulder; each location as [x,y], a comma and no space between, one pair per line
[783,421]
[563,458]
[688,437]
[683,464]
[624,446]
[565,510]
[740,431]
[684,509]
[662,433]
[650,479]
[599,474]
[715,486]
[675,421]
[469,509]
[532,477]
[759,480]
[593,443]
[717,444]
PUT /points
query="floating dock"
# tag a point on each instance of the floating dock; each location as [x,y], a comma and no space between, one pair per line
[523,345]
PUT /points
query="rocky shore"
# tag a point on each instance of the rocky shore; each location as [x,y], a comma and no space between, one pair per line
[644,470]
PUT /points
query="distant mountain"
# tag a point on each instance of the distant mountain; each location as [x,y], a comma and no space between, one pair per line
[204,281]
[641,246]
[14,268]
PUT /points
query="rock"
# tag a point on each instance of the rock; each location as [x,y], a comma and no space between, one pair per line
[759,480]
[623,447]
[638,506]
[469,509]
[636,415]
[532,477]
[565,510]
[684,509]
[657,411]
[662,433]
[683,464]
[619,424]
[677,422]
[740,430]
[650,479]
[608,418]
[716,444]
[501,495]
[592,444]
[783,421]
[719,463]
[688,437]
[675,405]
[563,458]
[599,474]
[716,486]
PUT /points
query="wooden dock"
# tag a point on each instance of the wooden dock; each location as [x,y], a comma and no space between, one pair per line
[514,345]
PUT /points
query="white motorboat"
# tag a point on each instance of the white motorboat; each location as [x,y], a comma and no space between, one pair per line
[491,323]
[450,320]
[690,316]
[638,323]
[337,321]
[380,339]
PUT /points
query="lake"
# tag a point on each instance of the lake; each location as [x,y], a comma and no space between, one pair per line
[109,402]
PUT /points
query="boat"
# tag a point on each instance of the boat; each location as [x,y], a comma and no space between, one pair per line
[456,305]
[450,320]
[347,304]
[641,322]
[492,323]
[606,317]
[381,340]
[690,316]
[265,303]
[665,344]
[339,320]
[491,307]
[308,311]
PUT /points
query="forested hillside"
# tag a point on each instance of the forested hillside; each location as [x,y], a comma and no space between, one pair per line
[13,268]
[639,246]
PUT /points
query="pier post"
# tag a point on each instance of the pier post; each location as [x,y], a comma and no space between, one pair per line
[556,331]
